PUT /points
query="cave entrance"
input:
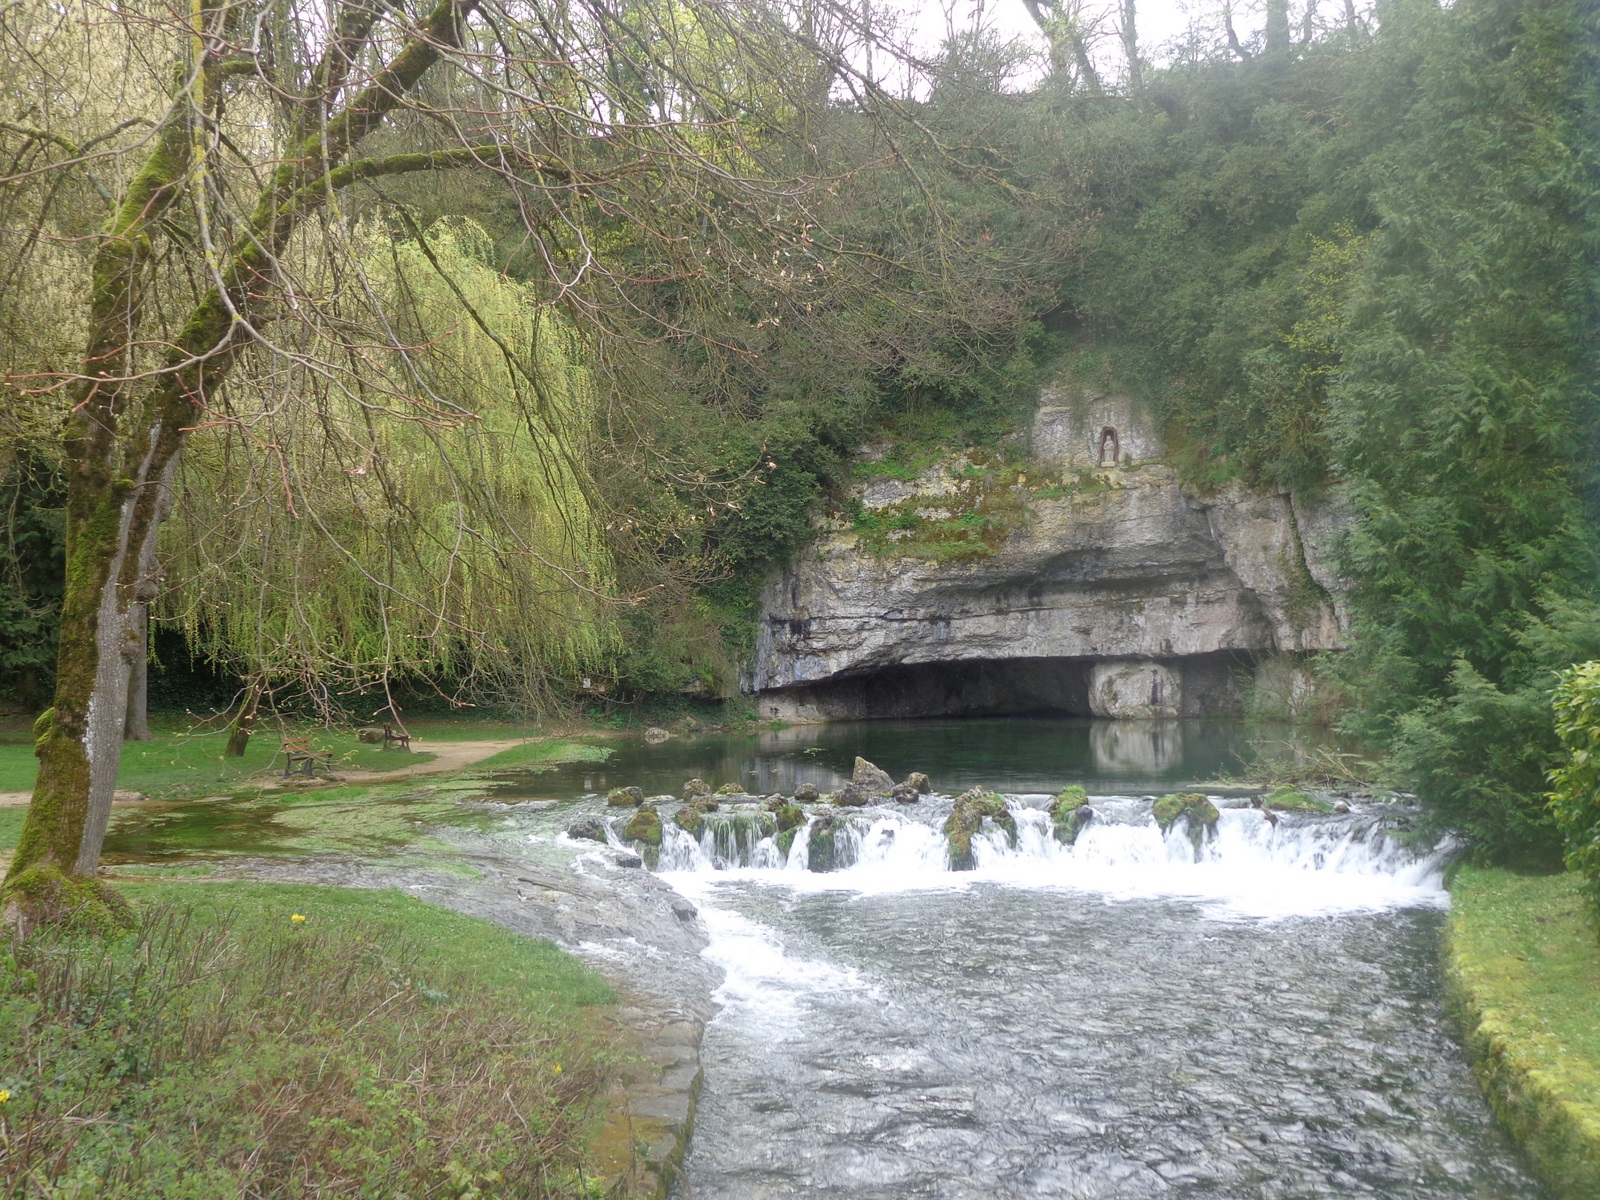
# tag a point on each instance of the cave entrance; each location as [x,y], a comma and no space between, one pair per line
[1005,687]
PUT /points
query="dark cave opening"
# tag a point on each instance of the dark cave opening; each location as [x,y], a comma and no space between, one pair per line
[1000,687]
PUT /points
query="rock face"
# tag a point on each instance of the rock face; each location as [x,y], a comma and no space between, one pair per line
[1110,589]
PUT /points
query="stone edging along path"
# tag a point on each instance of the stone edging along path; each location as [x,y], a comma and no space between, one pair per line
[1560,1135]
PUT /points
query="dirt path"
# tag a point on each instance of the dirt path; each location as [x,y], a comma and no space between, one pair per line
[449,756]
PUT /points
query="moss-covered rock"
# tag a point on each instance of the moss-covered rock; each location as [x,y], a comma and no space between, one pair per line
[695,789]
[1200,813]
[628,797]
[644,826]
[967,817]
[731,789]
[822,845]
[785,841]
[1069,813]
[789,816]
[691,819]
[918,782]
[851,796]
[1293,800]
[871,778]
[807,793]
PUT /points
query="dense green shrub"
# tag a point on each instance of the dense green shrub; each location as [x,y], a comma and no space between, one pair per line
[1576,798]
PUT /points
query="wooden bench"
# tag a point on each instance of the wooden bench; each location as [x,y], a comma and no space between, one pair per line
[300,753]
[394,737]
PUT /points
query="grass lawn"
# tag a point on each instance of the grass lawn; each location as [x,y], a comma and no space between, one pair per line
[189,764]
[378,1047]
[532,755]
[1524,967]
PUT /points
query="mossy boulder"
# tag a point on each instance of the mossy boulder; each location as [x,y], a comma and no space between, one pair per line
[785,841]
[871,778]
[691,819]
[807,793]
[1294,800]
[730,789]
[851,796]
[918,782]
[789,816]
[1069,813]
[971,809]
[628,797]
[644,826]
[590,829]
[695,789]
[822,846]
[1200,813]
[904,793]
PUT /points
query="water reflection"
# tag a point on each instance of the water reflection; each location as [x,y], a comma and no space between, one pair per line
[1014,755]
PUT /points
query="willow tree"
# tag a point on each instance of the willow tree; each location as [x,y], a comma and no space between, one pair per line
[334,552]
[228,185]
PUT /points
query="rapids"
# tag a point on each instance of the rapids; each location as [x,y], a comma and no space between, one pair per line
[1131,1016]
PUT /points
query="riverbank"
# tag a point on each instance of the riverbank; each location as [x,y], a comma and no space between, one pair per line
[282,1039]
[1522,968]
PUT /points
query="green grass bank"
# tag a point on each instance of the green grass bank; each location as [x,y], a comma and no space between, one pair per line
[1522,969]
[284,1040]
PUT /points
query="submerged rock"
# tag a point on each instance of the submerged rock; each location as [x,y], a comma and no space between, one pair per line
[807,793]
[644,826]
[628,797]
[871,778]
[591,829]
[972,808]
[904,793]
[1069,813]
[626,858]
[655,735]
[919,782]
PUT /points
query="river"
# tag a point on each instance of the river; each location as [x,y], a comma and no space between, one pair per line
[1110,1019]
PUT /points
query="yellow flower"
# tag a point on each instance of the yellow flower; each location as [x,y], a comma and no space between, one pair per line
[556,1070]
[298,919]
[5,1095]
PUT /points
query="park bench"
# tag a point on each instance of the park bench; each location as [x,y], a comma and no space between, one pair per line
[396,737]
[300,753]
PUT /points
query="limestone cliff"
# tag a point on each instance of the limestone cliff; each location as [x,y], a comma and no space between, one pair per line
[1084,579]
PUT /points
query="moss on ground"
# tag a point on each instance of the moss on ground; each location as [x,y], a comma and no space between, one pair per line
[1522,966]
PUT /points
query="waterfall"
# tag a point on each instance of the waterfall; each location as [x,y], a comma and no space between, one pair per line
[1302,862]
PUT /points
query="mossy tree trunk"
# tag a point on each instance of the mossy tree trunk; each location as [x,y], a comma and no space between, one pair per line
[127,427]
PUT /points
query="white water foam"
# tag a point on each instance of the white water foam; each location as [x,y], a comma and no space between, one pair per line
[1246,867]
[760,976]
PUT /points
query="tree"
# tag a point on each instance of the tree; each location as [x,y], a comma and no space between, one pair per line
[645,146]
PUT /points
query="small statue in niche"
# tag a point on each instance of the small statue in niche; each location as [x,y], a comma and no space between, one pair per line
[1110,449]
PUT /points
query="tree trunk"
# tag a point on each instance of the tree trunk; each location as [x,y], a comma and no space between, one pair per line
[244,721]
[136,727]
[120,453]
[1277,27]
[1130,47]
